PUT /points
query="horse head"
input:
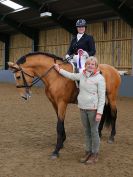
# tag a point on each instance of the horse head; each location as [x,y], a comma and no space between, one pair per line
[24,79]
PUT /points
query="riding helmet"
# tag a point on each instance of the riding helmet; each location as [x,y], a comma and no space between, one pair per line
[81,22]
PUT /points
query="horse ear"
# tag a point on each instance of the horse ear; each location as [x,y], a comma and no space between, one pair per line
[13,66]
[10,64]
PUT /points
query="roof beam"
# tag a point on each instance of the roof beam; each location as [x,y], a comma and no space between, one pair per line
[122,9]
[66,23]
[98,5]
[31,4]
[30,32]
[3,37]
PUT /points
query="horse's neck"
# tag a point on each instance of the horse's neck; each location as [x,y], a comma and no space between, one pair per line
[41,68]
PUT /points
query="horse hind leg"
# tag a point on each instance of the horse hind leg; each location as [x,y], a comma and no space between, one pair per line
[61,135]
[112,118]
[113,125]
[102,122]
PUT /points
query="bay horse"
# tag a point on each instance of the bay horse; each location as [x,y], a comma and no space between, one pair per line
[62,91]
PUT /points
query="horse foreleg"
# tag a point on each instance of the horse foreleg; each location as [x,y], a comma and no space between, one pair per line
[61,135]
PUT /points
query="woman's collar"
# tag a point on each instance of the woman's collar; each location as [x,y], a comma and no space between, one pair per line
[92,73]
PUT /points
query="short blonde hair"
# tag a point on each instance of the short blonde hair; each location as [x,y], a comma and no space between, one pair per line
[92,58]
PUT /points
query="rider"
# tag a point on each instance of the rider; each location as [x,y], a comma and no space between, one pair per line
[81,41]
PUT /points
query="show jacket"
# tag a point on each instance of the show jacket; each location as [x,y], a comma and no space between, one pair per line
[86,42]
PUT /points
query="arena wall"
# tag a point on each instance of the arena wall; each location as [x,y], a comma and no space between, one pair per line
[126,88]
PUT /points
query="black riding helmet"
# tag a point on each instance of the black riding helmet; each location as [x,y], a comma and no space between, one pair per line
[81,22]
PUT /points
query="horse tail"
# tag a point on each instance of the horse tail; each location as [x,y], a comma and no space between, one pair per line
[107,115]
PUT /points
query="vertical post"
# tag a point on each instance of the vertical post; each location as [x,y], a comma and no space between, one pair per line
[132,53]
[6,52]
[35,41]
[119,52]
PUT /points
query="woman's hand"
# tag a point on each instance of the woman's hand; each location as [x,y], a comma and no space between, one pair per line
[56,66]
[98,117]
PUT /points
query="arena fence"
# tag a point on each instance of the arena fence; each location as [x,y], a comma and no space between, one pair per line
[126,88]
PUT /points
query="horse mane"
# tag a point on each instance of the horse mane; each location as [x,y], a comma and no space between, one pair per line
[22,59]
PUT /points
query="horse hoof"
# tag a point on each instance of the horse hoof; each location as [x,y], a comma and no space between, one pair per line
[111,140]
[62,147]
[54,155]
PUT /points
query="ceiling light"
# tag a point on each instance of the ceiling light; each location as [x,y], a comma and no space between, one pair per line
[46,14]
[11,4]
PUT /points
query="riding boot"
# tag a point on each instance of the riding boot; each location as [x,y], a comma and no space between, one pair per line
[85,157]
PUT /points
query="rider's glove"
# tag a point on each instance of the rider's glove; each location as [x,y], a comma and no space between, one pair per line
[69,57]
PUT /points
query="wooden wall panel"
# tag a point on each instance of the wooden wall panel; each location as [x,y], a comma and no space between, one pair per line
[104,51]
[54,41]
[113,42]
[19,46]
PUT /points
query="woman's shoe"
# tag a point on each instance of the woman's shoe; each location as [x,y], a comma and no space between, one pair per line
[92,159]
[85,157]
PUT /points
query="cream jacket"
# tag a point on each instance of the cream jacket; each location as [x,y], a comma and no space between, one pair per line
[92,89]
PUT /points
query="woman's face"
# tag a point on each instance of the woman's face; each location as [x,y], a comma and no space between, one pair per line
[90,66]
[81,29]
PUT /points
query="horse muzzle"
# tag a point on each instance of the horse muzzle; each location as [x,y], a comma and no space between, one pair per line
[26,96]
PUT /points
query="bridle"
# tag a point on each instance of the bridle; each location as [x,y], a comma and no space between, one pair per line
[26,85]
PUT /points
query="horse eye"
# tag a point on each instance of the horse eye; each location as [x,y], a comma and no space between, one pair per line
[18,77]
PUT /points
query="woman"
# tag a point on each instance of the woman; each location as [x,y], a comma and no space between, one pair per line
[91,100]
[81,41]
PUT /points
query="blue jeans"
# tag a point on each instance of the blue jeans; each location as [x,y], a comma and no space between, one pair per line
[90,126]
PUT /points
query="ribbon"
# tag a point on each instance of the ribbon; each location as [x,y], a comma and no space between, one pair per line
[80,52]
